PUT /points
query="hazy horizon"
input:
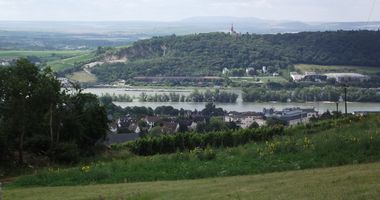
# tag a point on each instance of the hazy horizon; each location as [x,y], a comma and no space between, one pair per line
[172,11]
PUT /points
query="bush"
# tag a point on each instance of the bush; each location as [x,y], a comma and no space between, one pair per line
[66,153]
[189,141]
[204,154]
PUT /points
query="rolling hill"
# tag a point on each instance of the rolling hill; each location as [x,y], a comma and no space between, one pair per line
[208,54]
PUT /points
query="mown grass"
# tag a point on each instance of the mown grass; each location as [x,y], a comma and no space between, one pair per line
[57,60]
[348,182]
[344,143]
[62,64]
[83,77]
[335,68]
[5,54]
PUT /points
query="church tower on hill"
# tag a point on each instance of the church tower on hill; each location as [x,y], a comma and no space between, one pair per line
[232,31]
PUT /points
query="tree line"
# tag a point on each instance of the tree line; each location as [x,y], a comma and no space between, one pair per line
[311,93]
[195,96]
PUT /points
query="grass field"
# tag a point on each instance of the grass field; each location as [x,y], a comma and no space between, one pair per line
[347,182]
[334,68]
[57,60]
[82,77]
[12,54]
[61,64]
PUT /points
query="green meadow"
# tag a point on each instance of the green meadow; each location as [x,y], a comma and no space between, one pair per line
[347,182]
[57,60]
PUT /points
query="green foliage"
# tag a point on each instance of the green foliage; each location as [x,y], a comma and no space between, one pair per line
[210,110]
[321,144]
[66,153]
[195,96]
[166,110]
[212,96]
[190,141]
[254,125]
[311,93]
[117,98]
[209,54]
[206,154]
[37,116]
[273,122]
[214,124]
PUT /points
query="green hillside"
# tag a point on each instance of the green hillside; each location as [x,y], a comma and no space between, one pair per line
[208,54]
[348,182]
[71,62]
[242,152]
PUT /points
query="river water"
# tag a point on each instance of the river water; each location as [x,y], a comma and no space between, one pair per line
[239,106]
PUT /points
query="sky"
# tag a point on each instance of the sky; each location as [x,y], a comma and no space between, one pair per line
[175,10]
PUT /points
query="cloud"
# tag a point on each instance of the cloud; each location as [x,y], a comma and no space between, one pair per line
[171,10]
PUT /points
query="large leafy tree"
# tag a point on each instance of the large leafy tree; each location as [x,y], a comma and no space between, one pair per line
[37,115]
[18,96]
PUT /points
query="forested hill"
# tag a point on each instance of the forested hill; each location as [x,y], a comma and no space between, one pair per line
[208,54]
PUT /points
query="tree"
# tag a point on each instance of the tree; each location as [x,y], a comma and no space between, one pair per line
[85,121]
[254,125]
[216,124]
[37,115]
[19,84]
[272,122]
[210,110]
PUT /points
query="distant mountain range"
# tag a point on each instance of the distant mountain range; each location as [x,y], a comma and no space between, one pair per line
[186,26]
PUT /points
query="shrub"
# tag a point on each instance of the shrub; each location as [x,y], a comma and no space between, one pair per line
[204,154]
[66,153]
[189,141]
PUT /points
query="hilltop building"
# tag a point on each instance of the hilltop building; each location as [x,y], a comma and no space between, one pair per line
[233,32]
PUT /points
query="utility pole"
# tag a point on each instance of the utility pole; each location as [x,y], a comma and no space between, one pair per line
[1,193]
[337,107]
[345,99]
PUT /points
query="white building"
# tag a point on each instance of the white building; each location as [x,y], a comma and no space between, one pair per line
[4,63]
[250,71]
[296,76]
[225,71]
[293,116]
[120,83]
[246,119]
[265,69]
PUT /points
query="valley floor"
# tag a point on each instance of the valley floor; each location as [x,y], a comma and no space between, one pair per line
[346,182]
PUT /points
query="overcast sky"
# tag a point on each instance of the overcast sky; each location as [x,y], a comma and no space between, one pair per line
[173,10]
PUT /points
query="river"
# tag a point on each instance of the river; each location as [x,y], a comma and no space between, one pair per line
[239,106]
